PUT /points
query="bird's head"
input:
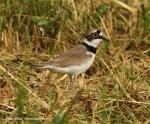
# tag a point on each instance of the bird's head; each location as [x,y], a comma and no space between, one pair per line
[94,37]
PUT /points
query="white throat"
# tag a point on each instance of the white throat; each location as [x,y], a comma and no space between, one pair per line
[93,43]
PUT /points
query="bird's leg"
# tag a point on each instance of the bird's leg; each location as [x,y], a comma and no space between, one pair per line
[72,82]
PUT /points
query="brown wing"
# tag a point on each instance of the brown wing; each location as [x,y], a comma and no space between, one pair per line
[74,56]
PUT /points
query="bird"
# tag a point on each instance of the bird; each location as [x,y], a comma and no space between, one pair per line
[77,59]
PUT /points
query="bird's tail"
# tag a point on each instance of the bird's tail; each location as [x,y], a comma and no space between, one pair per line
[36,66]
[39,66]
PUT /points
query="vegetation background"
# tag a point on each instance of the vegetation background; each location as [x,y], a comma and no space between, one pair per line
[115,90]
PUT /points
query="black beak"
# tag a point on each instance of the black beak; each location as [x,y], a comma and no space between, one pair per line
[104,38]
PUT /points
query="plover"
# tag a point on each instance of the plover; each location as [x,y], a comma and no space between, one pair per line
[76,60]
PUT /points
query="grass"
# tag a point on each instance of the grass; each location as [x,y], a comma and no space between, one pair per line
[116,89]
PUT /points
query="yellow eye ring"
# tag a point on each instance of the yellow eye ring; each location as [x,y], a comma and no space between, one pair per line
[95,34]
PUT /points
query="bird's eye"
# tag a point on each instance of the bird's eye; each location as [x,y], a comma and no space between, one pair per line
[95,34]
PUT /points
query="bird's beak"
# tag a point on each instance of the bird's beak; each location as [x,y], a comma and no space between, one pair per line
[104,38]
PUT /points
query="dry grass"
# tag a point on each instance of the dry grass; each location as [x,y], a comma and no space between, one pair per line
[116,89]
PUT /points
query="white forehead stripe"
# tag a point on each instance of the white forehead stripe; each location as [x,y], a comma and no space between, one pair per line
[100,34]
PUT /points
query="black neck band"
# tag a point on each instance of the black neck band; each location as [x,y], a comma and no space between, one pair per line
[89,48]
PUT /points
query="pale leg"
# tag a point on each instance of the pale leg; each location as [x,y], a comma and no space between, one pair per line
[72,82]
